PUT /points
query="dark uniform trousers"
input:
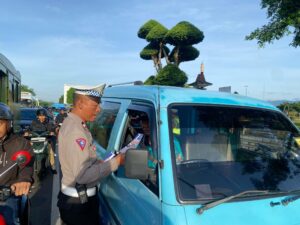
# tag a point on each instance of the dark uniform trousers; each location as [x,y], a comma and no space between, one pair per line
[72,212]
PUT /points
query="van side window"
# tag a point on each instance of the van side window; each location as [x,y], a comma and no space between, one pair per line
[101,128]
[141,122]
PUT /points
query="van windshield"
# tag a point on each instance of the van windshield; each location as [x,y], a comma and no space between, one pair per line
[221,151]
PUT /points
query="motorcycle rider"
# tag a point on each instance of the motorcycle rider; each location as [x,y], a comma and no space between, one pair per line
[60,118]
[17,181]
[42,124]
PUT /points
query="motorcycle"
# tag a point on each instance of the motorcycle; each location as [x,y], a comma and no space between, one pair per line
[21,158]
[41,147]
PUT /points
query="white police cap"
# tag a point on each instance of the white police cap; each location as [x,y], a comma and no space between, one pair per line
[92,91]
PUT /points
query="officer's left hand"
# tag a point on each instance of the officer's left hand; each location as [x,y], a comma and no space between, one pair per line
[20,188]
[121,159]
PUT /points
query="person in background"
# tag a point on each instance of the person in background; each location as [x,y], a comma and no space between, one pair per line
[78,201]
[42,124]
[59,119]
[16,181]
[61,116]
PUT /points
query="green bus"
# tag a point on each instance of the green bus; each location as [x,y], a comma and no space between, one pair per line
[10,82]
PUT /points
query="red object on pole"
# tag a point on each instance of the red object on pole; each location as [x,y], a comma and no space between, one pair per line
[25,155]
[2,221]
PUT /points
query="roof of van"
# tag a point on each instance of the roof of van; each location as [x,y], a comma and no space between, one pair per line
[169,95]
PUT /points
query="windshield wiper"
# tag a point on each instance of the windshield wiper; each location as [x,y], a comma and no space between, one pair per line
[285,201]
[210,205]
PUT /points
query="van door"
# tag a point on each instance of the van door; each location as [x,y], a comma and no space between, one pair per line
[133,201]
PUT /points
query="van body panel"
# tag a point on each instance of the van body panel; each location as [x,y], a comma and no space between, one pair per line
[130,201]
[258,212]
[173,214]
[167,183]
[169,95]
[133,203]
[172,95]
[147,93]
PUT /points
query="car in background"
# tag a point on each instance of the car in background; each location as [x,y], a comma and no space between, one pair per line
[25,118]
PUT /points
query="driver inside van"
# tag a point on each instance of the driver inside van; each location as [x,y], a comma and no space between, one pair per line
[152,161]
[176,133]
[144,123]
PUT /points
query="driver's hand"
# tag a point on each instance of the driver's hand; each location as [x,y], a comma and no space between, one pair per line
[20,188]
[51,133]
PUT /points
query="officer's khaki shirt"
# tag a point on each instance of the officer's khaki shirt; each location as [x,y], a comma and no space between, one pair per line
[77,154]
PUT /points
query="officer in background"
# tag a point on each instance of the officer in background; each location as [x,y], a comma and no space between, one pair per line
[81,169]
[16,181]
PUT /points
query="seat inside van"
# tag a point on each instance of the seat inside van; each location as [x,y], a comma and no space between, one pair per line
[209,145]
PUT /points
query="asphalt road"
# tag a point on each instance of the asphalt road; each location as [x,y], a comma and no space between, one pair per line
[43,198]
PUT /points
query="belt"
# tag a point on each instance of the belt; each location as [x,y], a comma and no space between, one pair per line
[72,192]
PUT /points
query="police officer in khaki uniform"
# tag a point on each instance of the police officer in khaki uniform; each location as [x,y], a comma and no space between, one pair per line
[81,170]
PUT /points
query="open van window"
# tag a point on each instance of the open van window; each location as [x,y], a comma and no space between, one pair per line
[101,128]
[221,151]
[140,122]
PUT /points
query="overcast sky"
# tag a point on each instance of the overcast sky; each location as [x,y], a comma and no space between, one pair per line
[57,42]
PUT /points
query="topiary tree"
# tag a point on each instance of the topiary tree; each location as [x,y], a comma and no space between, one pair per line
[182,37]
[183,54]
[144,30]
[150,81]
[171,75]
[153,52]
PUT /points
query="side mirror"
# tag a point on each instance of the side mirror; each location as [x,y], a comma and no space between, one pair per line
[136,164]
[22,158]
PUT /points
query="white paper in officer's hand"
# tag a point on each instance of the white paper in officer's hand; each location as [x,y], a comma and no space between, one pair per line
[132,145]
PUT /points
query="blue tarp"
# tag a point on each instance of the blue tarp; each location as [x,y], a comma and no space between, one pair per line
[58,106]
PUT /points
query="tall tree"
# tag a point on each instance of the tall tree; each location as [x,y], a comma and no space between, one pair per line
[284,19]
[70,95]
[25,88]
[181,37]
[61,99]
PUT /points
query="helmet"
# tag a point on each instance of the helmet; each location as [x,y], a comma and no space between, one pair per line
[5,113]
[41,112]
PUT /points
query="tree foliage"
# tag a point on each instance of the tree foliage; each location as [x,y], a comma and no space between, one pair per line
[145,29]
[184,33]
[295,106]
[45,103]
[171,75]
[181,37]
[157,34]
[150,80]
[61,99]
[185,53]
[70,95]
[284,19]
[25,88]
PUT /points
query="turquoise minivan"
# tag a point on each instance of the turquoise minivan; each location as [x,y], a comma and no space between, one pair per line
[206,158]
